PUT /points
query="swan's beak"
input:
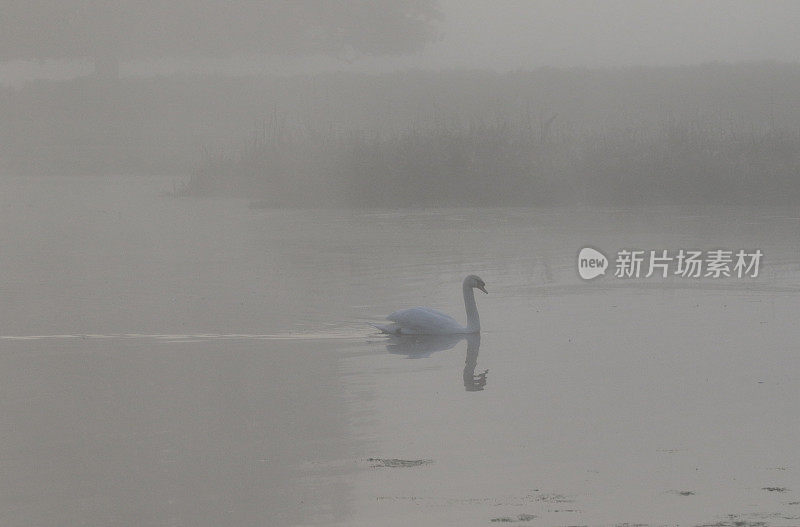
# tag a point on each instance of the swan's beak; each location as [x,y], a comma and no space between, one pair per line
[483,288]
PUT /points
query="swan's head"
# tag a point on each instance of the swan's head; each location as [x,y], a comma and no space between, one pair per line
[476,283]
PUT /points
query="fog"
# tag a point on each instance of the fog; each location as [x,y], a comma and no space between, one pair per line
[571,101]
[501,36]
[523,35]
[208,211]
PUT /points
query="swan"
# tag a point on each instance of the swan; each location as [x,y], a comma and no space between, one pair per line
[427,321]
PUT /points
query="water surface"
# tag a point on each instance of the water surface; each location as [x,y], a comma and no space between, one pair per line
[201,362]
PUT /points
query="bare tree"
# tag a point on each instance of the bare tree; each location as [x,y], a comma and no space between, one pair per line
[107,31]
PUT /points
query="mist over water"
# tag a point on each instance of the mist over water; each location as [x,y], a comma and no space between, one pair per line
[232,376]
[207,210]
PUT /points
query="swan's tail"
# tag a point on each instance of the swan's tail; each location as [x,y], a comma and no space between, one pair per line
[389,329]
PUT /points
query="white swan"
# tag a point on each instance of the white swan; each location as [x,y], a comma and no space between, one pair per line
[427,321]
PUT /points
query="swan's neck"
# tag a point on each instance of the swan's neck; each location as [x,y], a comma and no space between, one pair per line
[473,320]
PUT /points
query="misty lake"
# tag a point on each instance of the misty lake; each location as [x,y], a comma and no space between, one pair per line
[203,362]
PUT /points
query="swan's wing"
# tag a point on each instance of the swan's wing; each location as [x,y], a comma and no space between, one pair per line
[425,320]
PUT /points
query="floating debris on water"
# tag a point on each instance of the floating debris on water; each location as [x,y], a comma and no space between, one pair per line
[519,518]
[376,462]
[683,492]
[553,498]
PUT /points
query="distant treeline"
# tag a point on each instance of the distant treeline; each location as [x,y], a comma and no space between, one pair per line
[713,132]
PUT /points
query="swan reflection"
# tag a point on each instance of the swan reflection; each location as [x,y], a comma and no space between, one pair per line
[472,382]
[422,346]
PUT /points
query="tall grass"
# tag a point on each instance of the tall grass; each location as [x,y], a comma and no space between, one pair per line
[159,125]
[500,162]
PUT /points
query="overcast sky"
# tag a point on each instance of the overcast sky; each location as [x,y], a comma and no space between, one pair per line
[513,35]
[521,35]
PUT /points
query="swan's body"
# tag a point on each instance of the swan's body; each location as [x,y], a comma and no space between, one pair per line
[427,321]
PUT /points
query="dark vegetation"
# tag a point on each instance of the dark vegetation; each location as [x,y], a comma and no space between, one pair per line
[717,133]
[503,164]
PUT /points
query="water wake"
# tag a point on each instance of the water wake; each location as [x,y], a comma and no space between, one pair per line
[184,337]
